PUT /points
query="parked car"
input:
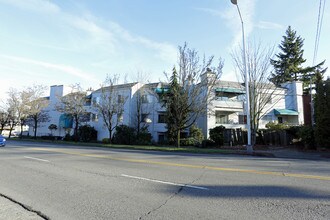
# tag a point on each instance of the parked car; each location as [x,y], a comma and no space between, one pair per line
[2,141]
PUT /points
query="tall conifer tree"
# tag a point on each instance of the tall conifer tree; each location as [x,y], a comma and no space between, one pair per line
[287,66]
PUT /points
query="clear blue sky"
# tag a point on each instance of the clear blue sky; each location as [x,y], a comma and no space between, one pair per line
[80,41]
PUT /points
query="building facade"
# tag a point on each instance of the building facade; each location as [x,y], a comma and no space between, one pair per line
[144,108]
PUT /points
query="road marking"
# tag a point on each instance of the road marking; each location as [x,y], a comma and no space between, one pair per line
[165,182]
[273,173]
[33,158]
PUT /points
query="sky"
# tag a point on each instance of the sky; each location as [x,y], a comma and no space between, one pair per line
[64,42]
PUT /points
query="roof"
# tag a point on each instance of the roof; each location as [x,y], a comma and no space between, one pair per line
[121,86]
[285,112]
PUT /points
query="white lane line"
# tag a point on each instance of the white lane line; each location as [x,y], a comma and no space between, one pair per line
[33,158]
[164,182]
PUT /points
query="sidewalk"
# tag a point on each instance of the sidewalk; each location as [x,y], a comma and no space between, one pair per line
[290,153]
[13,211]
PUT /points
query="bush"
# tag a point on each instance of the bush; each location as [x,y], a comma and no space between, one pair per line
[188,141]
[277,126]
[196,133]
[208,143]
[52,138]
[68,137]
[306,133]
[86,133]
[216,135]
[124,135]
[106,140]
[144,137]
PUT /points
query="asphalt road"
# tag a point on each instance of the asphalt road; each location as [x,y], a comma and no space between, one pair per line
[65,182]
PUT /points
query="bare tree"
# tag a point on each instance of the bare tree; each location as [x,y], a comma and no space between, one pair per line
[263,94]
[73,104]
[3,117]
[111,104]
[14,104]
[142,103]
[20,104]
[35,112]
[195,79]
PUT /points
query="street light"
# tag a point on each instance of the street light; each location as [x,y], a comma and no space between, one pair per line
[249,147]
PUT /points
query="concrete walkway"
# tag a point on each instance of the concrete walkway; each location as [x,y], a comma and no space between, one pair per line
[13,211]
[290,153]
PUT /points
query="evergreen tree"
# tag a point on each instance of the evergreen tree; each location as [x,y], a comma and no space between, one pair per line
[191,91]
[322,112]
[288,65]
[177,110]
[289,60]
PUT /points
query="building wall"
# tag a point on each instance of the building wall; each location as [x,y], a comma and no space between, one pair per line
[289,97]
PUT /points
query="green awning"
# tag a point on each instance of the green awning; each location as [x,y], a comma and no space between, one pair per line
[230,90]
[65,121]
[162,90]
[285,112]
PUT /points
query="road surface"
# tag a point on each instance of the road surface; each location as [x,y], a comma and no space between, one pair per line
[72,182]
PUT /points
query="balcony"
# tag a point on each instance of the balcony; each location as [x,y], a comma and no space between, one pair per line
[228,104]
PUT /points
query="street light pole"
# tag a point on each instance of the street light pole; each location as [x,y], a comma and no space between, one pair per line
[249,147]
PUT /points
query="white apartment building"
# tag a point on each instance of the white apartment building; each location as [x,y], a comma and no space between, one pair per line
[227,108]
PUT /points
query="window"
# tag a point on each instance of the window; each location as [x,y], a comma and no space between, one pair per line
[95,117]
[144,117]
[161,137]
[221,118]
[120,117]
[95,101]
[161,118]
[221,96]
[121,99]
[280,120]
[88,102]
[242,119]
[144,99]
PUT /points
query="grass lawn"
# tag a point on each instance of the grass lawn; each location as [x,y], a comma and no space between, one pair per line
[140,147]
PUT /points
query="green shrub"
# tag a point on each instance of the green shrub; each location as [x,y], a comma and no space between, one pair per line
[86,133]
[124,135]
[277,126]
[144,137]
[196,133]
[208,143]
[216,135]
[106,140]
[188,141]
[306,133]
[68,137]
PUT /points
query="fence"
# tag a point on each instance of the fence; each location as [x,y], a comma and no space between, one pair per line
[264,137]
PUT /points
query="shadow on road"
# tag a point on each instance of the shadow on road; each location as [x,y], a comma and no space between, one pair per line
[242,191]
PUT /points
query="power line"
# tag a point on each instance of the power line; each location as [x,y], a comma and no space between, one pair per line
[318,29]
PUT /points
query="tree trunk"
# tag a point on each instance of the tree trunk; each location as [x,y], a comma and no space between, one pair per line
[110,135]
[178,138]
[21,135]
[75,133]
[10,130]
[35,128]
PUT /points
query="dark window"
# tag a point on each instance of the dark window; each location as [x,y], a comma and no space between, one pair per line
[221,118]
[120,99]
[95,117]
[161,118]
[144,99]
[242,119]
[144,117]
[161,137]
[280,120]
